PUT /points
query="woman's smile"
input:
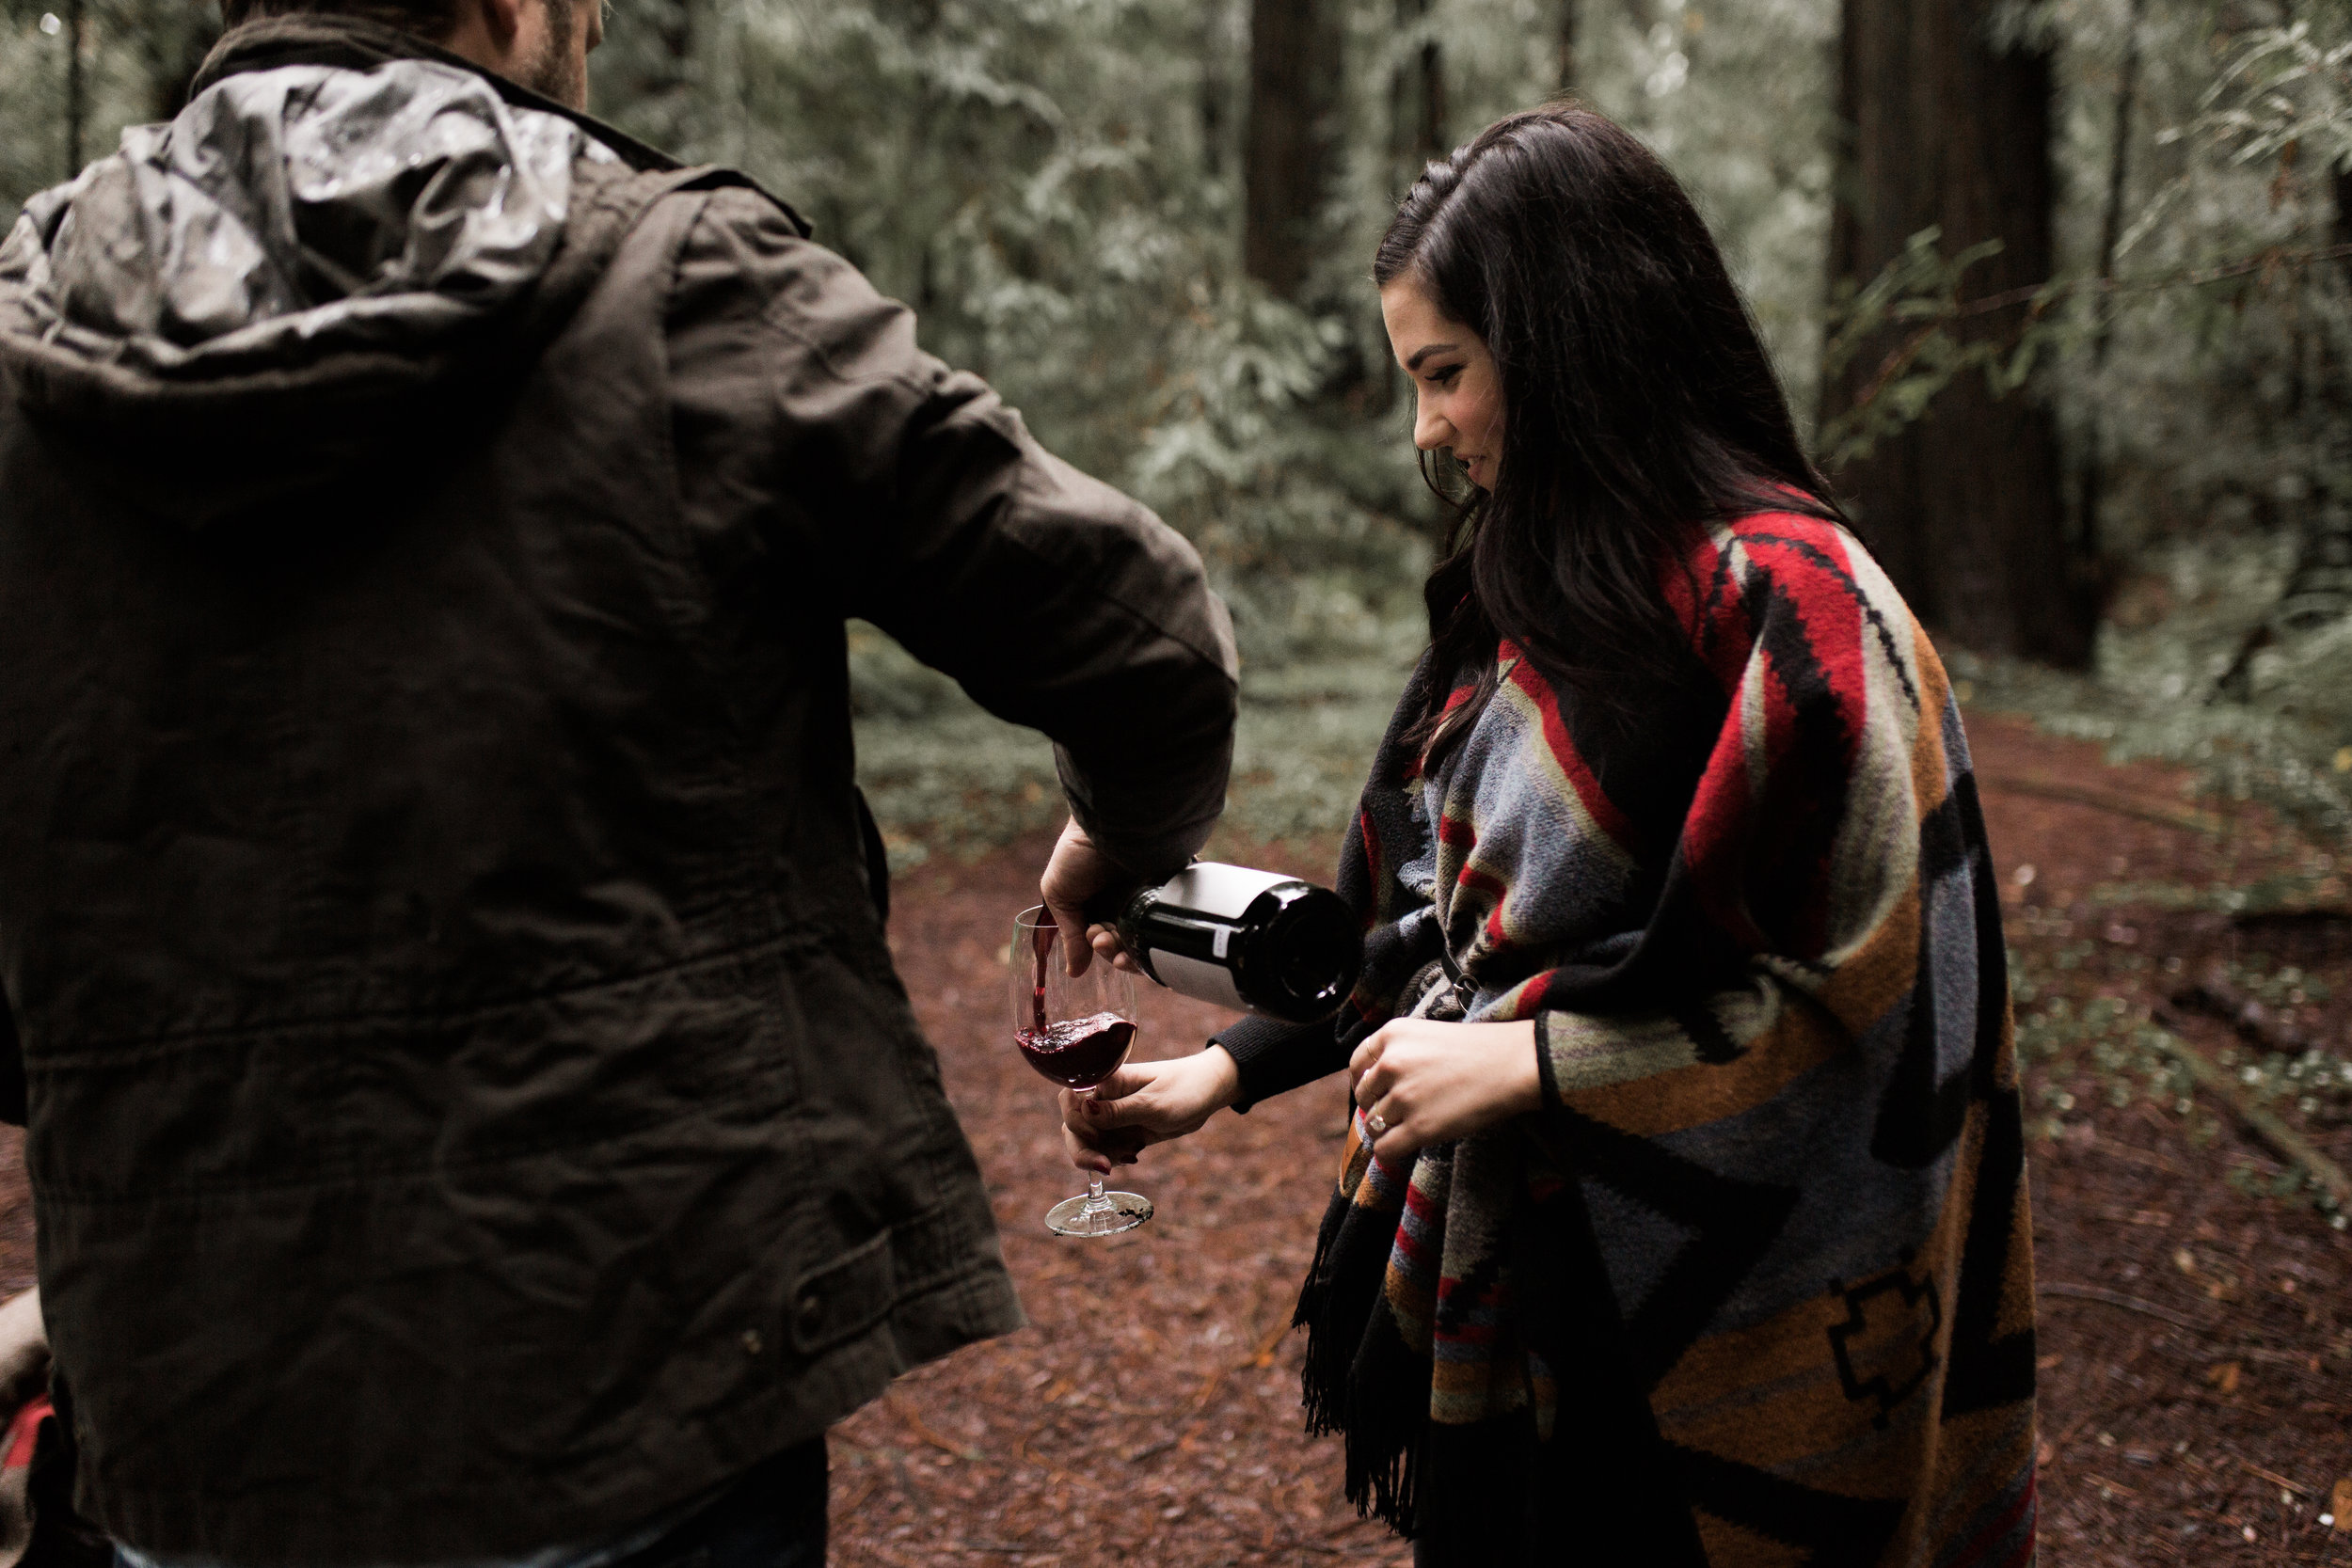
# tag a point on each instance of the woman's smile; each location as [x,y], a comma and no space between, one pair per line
[1458,394]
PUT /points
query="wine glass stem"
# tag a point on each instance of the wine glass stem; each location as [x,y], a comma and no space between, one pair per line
[1096,1202]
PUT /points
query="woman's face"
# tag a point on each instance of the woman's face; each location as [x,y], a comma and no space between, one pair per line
[1460,399]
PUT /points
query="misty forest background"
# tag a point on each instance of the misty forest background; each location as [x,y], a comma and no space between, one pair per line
[2058,287]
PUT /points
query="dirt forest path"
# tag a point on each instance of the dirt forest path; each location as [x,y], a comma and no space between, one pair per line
[2196,1339]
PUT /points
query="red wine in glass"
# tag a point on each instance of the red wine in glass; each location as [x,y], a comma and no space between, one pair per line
[1076,1031]
[1081,1053]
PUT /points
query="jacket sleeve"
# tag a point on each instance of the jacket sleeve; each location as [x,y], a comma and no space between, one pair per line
[1055,600]
[1276,1058]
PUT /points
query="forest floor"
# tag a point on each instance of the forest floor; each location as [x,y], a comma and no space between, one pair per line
[2196,1331]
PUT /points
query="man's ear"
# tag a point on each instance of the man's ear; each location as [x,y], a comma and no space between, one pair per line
[501,19]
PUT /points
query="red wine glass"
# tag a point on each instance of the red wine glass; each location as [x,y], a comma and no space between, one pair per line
[1076,1031]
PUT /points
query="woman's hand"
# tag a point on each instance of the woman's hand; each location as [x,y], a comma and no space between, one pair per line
[1145,1103]
[1428,1083]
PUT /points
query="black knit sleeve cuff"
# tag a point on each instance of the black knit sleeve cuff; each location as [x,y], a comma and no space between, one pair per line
[1276,1058]
[1546,1078]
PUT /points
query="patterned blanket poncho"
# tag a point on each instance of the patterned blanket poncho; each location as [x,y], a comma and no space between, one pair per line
[1766,1245]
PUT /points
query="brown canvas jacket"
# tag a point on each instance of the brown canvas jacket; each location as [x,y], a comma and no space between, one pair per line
[470,1107]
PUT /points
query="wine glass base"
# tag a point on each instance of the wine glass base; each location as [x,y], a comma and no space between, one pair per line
[1085,1216]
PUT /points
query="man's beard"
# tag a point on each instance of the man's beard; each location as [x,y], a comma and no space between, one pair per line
[554,72]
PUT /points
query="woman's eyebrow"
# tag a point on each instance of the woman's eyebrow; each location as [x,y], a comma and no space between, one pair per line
[1426,350]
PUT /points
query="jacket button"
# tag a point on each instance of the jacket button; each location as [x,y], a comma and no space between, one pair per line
[752,1343]
[808,1313]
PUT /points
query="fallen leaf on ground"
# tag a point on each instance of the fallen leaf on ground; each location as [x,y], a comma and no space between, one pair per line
[2224,1375]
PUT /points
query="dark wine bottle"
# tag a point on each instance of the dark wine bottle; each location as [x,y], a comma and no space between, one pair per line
[1254,939]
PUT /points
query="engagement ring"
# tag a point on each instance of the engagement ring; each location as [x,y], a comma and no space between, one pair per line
[1376,1123]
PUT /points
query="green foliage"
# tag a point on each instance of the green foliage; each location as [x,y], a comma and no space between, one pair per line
[1281,501]
[2248,152]
[1917,292]
[2287,88]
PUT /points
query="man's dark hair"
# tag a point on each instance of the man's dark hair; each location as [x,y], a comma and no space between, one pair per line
[427,19]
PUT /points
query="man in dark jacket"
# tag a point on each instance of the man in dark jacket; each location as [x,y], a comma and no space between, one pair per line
[471,1114]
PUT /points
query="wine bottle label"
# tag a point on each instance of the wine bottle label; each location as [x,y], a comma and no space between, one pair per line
[1208,981]
[1212,888]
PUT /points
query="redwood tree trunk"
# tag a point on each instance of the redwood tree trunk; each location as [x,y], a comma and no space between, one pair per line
[1417,118]
[1965,508]
[76,97]
[1296,61]
[2094,462]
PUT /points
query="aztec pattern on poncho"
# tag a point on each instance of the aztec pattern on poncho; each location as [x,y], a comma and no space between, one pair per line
[1760,936]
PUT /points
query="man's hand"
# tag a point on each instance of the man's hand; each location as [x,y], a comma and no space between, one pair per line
[1145,1103]
[1076,873]
[1431,1083]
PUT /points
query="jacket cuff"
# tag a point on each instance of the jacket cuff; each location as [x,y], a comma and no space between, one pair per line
[1161,828]
[1276,1058]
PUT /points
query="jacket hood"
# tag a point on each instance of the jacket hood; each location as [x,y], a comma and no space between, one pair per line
[278,282]
[293,213]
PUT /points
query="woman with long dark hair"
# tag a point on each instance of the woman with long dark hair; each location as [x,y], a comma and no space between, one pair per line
[1681,1218]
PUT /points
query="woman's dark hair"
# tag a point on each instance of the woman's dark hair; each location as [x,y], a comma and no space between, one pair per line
[1638,404]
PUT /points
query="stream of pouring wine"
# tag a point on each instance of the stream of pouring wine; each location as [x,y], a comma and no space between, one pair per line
[1041,940]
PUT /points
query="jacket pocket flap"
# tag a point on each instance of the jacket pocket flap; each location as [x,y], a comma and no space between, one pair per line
[842,1297]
